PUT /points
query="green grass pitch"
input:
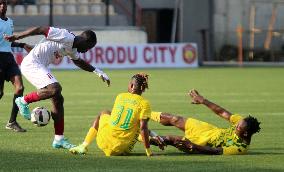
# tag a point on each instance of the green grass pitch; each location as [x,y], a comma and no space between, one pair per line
[257,91]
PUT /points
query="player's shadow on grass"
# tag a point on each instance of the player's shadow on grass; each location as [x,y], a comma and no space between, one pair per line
[267,151]
[165,153]
[62,160]
[264,152]
[160,154]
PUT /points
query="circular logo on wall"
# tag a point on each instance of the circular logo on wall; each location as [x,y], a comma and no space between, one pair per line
[189,53]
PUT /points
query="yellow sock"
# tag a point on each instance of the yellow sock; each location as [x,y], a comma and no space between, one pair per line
[92,133]
[155,116]
[140,138]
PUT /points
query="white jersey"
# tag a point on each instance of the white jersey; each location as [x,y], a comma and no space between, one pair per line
[57,44]
[6,28]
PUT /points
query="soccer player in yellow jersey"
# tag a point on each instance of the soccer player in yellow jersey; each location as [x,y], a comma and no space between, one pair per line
[201,137]
[116,132]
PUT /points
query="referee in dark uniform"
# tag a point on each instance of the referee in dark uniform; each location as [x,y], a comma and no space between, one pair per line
[9,69]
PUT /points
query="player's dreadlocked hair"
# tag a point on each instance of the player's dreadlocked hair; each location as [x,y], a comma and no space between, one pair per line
[141,81]
[252,125]
[91,36]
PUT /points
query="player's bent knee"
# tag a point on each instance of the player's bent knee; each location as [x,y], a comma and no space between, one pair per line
[175,119]
[59,98]
[178,121]
[55,89]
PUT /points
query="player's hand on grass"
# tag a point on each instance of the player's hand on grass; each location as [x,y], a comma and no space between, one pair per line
[103,76]
[196,97]
[184,145]
[161,142]
[158,141]
[10,38]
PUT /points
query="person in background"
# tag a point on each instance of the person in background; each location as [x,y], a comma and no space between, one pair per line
[9,69]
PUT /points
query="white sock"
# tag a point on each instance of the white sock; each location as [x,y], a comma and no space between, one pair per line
[85,144]
[23,100]
[58,137]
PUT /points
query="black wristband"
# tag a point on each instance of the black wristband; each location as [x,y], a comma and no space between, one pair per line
[17,44]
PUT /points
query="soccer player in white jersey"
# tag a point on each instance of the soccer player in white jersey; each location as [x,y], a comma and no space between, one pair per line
[9,69]
[57,44]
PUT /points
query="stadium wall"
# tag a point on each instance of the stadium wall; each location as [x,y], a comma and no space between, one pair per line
[195,17]
[229,14]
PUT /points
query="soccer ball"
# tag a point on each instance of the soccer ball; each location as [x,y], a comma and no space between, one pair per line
[40,116]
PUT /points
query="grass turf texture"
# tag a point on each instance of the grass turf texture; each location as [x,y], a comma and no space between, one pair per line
[257,91]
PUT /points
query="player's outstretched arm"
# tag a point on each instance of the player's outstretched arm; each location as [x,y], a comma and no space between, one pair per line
[25,46]
[42,30]
[198,99]
[87,67]
[145,136]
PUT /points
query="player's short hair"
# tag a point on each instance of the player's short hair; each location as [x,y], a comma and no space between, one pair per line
[252,125]
[141,81]
[90,36]
[4,2]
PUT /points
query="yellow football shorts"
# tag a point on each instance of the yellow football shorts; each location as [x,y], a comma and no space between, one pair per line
[107,139]
[199,132]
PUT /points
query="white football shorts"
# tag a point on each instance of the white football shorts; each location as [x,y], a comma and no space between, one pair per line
[37,74]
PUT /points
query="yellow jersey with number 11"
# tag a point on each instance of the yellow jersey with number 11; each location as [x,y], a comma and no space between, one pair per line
[123,126]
